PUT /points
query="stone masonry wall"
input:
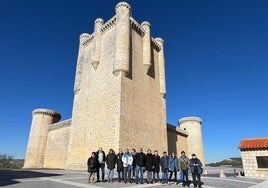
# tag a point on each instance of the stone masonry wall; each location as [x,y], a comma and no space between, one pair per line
[96,110]
[143,109]
[250,163]
[177,141]
[57,145]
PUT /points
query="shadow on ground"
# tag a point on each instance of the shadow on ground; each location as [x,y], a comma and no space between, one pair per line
[9,177]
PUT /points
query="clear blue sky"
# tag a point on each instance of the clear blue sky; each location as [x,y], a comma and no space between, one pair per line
[216,56]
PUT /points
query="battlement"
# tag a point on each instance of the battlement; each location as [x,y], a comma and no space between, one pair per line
[123,5]
[47,112]
[182,120]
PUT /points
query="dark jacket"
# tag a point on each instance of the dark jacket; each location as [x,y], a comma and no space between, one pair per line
[104,156]
[157,163]
[119,162]
[92,164]
[150,162]
[111,161]
[164,162]
[196,169]
[140,159]
[134,161]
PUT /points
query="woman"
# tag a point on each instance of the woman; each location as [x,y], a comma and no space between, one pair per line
[173,167]
[120,165]
[92,164]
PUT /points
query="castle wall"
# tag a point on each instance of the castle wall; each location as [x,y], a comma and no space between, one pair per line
[96,110]
[143,110]
[177,140]
[57,145]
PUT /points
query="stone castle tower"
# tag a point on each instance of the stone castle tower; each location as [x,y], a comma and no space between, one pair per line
[119,98]
[195,140]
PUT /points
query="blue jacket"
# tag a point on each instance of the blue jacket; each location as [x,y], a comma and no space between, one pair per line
[164,163]
[196,166]
[173,164]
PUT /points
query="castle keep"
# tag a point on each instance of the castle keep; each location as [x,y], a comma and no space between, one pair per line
[119,100]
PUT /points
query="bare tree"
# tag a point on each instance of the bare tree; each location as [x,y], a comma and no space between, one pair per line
[5,160]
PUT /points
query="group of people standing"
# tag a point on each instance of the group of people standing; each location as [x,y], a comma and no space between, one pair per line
[131,166]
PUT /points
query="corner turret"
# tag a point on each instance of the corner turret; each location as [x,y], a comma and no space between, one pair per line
[42,118]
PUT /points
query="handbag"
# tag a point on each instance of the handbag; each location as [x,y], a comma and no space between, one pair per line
[181,176]
[129,167]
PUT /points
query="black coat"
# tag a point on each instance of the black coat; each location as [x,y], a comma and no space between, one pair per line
[119,162]
[92,164]
[157,163]
[140,159]
[150,162]
[104,156]
[111,161]
[134,161]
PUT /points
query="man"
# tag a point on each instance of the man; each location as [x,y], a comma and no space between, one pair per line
[184,167]
[164,161]
[127,165]
[157,166]
[102,158]
[196,170]
[149,166]
[140,165]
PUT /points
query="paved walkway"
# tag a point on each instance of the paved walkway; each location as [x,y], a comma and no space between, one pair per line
[76,179]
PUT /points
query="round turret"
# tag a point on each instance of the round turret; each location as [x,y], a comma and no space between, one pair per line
[195,140]
[42,118]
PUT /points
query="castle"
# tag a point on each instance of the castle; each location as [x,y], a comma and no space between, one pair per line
[119,100]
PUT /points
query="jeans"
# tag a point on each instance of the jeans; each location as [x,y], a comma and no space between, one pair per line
[120,175]
[110,174]
[156,176]
[139,173]
[126,175]
[102,167]
[185,177]
[165,175]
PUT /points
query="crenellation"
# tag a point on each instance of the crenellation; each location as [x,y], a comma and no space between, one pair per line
[137,27]
[47,112]
[86,39]
[155,45]
[108,25]
[122,5]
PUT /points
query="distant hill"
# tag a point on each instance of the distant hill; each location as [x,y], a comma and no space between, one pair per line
[231,162]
